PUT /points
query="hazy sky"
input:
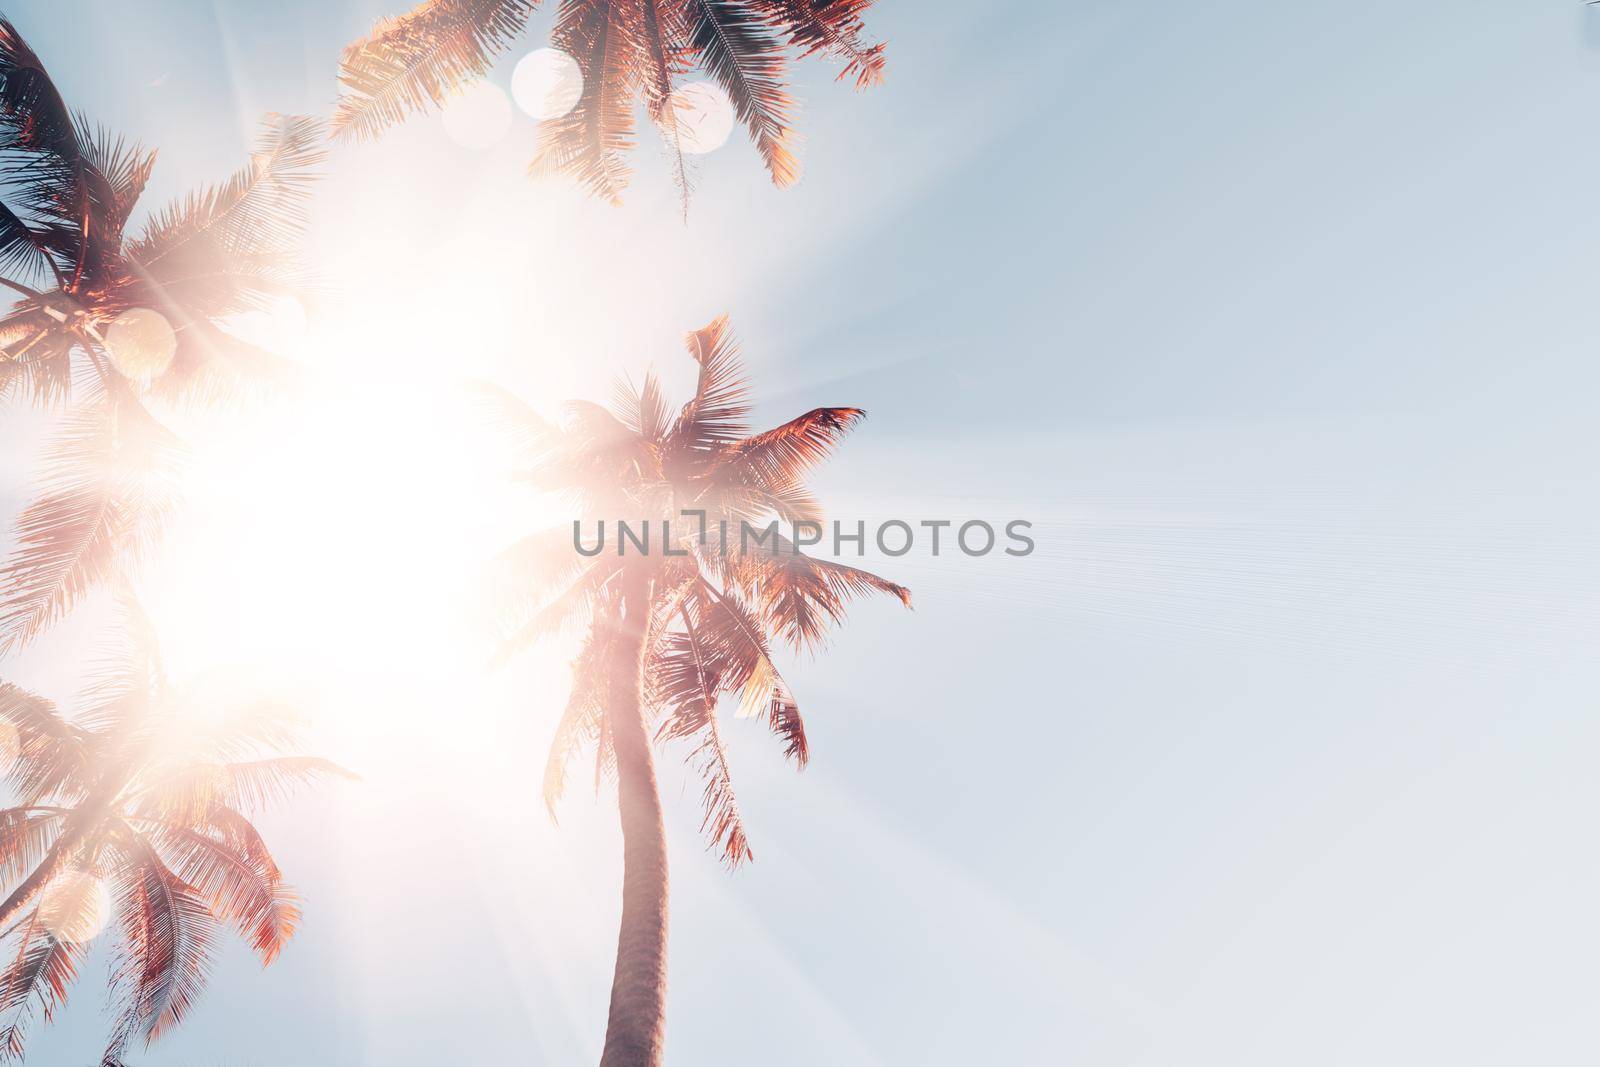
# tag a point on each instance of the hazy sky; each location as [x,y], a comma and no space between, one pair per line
[1277,320]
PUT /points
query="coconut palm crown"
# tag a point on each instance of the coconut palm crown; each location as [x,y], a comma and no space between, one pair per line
[140,796]
[104,321]
[628,51]
[669,635]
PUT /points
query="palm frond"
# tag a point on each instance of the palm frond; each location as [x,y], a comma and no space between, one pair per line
[573,603]
[642,410]
[25,837]
[588,142]
[36,355]
[124,166]
[106,492]
[36,980]
[801,597]
[684,683]
[583,719]
[236,731]
[223,249]
[418,59]
[69,202]
[715,417]
[832,28]
[168,941]
[664,36]
[238,879]
[122,687]
[52,759]
[536,566]
[785,454]
[26,254]
[212,367]
[733,44]
[733,640]
[255,785]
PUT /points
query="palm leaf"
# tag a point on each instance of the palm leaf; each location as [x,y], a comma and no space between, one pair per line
[575,603]
[37,355]
[419,58]
[832,28]
[168,941]
[26,253]
[588,142]
[583,719]
[237,878]
[733,640]
[105,493]
[52,180]
[51,761]
[257,784]
[642,410]
[786,454]
[25,837]
[799,596]
[211,367]
[664,34]
[37,979]
[221,250]
[684,683]
[733,45]
[715,417]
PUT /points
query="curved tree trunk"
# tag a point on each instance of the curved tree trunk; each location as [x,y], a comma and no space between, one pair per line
[634,1030]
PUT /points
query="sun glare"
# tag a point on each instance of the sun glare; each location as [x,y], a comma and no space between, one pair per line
[479,116]
[547,83]
[705,117]
[338,547]
[334,542]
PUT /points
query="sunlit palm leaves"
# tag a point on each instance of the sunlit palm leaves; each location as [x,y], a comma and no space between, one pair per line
[629,51]
[417,59]
[67,192]
[132,795]
[716,612]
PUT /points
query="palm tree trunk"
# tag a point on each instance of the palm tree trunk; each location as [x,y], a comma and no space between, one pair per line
[635,1028]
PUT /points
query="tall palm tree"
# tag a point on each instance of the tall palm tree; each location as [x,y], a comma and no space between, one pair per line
[627,50]
[133,795]
[670,633]
[104,321]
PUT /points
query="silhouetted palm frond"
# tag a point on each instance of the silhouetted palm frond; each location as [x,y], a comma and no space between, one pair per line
[420,58]
[628,51]
[42,970]
[105,494]
[588,143]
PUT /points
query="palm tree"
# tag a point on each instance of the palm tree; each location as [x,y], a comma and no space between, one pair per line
[669,634]
[133,795]
[626,50]
[104,321]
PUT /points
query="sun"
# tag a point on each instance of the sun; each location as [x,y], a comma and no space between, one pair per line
[338,542]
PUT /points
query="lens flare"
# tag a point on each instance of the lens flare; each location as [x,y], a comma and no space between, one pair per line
[547,83]
[704,115]
[141,342]
[75,907]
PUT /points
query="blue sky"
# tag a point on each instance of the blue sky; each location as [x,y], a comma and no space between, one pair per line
[1278,323]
